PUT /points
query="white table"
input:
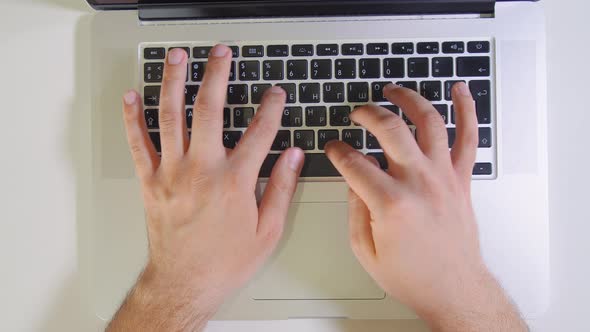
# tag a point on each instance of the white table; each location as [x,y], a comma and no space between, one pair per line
[45,127]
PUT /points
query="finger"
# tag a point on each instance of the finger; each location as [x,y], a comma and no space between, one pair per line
[360,232]
[277,197]
[173,133]
[432,132]
[142,149]
[374,186]
[258,139]
[464,149]
[208,116]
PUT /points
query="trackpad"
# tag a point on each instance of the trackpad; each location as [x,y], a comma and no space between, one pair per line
[314,260]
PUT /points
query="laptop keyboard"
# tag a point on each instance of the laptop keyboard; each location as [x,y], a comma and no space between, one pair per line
[325,81]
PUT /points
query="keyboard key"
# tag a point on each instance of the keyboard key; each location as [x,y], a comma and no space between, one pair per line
[372,143]
[449,88]
[377,48]
[442,67]
[428,48]
[353,137]
[483,101]
[190,94]
[340,116]
[369,68]
[451,133]
[231,138]
[353,49]
[443,110]
[235,51]
[453,47]
[345,68]
[478,47]
[431,90]
[485,138]
[304,139]
[482,169]
[327,49]
[201,52]
[380,156]
[297,69]
[154,53]
[358,92]
[408,84]
[249,70]
[232,71]
[392,108]
[291,91]
[237,94]
[253,51]
[151,118]
[273,70]
[325,136]
[418,67]
[407,120]
[155,138]
[321,69]
[189,118]
[393,68]
[309,92]
[277,50]
[282,141]
[186,49]
[316,116]
[226,117]
[473,66]
[318,165]
[333,92]
[268,165]
[402,48]
[243,116]
[153,72]
[151,95]
[258,91]
[377,91]
[292,117]
[197,71]
[302,50]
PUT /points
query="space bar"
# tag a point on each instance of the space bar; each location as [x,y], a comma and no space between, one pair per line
[316,165]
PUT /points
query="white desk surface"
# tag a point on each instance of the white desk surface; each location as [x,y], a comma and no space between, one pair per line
[43,128]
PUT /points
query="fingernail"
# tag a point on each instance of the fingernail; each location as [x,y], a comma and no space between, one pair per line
[175,56]
[130,98]
[219,51]
[463,89]
[294,159]
[277,90]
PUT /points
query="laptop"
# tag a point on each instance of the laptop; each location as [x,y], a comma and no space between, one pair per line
[330,57]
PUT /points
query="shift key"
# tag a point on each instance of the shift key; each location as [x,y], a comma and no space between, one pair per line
[481,90]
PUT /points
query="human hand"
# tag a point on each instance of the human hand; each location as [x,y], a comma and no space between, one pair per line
[207,235]
[413,227]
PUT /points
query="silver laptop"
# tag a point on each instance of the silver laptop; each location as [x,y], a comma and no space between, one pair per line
[330,57]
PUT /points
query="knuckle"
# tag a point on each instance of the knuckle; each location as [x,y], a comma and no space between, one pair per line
[391,123]
[282,185]
[351,160]
[169,119]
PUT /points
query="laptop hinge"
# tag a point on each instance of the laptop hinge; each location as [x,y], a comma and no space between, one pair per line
[158,10]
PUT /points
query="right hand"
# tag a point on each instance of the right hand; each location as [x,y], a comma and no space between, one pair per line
[413,227]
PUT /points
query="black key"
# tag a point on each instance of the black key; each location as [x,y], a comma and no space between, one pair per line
[235,51]
[451,133]
[297,69]
[273,70]
[333,92]
[392,108]
[282,141]
[189,118]
[369,68]
[442,67]
[408,84]
[340,116]
[277,50]
[431,90]
[449,88]
[358,92]
[418,67]
[380,156]
[443,110]
[151,118]
[309,92]
[154,53]
[201,52]
[291,91]
[345,68]
[232,71]
[151,95]
[353,137]
[292,117]
[316,116]
[318,165]
[249,70]
[485,138]
[393,67]
[226,117]
[237,94]
[482,169]
[483,101]
[304,139]
[153,72]
[377,89]
[190,94]
[243,116]
[253,51]
[478,47]
[473,66]
[198,71]
[453,47]
[353,49]
[268,165]
[453,117]
[327,49]
[407,120]
[302,50]
[231,138]
[377,48]
[402,48]
[258,91]
[428,48]
[372,142]
[186,49]
[155,137]
[321,69]
[325,136]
